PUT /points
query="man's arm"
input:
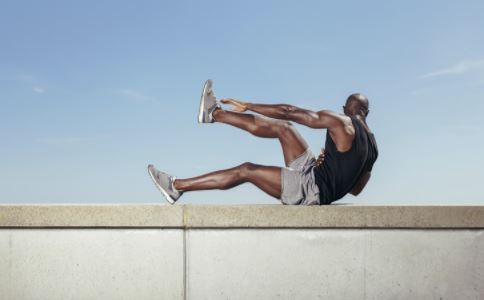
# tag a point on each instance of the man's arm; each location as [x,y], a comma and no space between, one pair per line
[361,184]
[340,127]
[312,119]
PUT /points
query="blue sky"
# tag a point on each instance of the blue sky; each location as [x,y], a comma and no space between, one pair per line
[93,91]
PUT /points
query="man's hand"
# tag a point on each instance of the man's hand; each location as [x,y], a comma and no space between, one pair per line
[320,159]
[239,106]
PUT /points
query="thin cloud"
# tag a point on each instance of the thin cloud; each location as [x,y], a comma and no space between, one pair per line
[459,68]
[38,89]
[134,95]
[32,81]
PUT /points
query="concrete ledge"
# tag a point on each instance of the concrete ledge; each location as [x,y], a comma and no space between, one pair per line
[155,251]
[241,216]
[91,215]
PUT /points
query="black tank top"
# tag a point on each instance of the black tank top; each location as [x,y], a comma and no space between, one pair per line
[340,171]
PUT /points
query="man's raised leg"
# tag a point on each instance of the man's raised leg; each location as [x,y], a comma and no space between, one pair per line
[293,144]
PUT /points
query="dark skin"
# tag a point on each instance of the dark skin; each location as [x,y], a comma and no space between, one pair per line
[278,125]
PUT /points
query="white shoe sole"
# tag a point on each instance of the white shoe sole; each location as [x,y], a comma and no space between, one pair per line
[168,198]
[202,102]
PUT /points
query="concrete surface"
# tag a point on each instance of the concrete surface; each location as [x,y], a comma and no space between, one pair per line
[91,215]
[91,264]
[335,264]
[242,216]
[241,252]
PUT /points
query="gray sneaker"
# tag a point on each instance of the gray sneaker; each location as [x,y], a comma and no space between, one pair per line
[208,103]
[164,183]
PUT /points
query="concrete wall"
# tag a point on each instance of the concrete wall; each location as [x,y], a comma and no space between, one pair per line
[241,252]
[91,264]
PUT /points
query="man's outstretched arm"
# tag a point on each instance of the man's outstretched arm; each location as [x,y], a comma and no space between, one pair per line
[320,119]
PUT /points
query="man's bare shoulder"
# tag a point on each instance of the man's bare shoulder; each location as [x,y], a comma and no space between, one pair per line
[338,118]
[346,124]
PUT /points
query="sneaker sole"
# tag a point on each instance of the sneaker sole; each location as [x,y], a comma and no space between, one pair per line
[168,198]
[202,102]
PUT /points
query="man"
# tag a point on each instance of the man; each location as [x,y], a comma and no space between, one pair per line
[344,167]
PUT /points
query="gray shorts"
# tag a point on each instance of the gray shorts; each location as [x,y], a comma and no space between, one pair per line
[298,183]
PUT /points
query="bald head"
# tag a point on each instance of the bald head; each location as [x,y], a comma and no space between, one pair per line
[357,104]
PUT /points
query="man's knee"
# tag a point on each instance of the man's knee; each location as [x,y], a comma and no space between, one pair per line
[245,169]
[284,127]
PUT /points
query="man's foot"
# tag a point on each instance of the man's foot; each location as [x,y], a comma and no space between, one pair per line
[208,103]
[164,183]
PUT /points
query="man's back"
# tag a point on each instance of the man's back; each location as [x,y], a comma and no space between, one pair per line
[341,171]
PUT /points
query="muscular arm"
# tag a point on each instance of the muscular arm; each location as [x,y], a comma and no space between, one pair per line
[340,127]
[361,184]
[312,119]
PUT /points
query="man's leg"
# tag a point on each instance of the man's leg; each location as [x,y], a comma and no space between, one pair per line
[293,145]
[266,178]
